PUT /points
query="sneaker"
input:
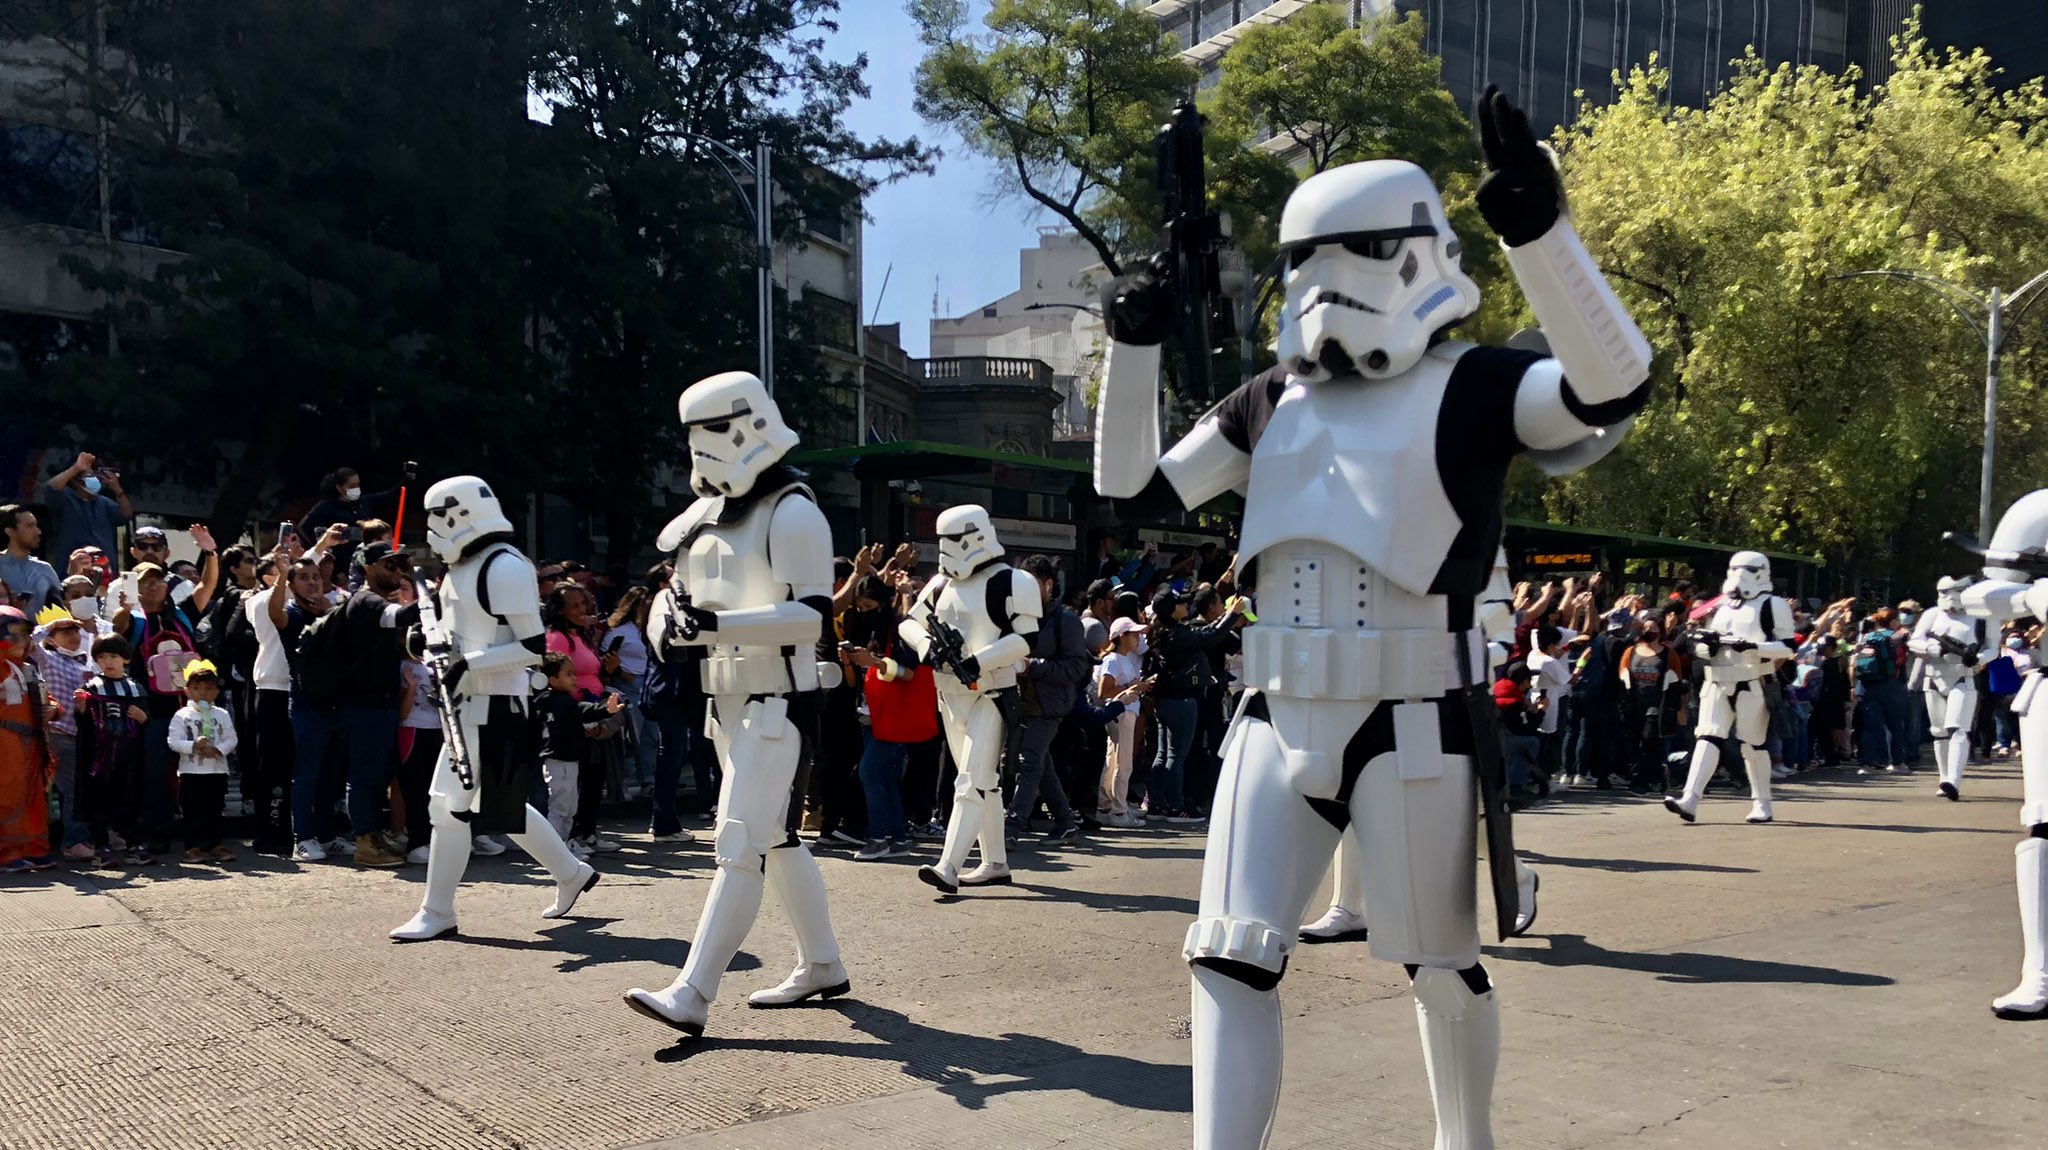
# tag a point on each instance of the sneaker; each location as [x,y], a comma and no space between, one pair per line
[875,849]
[1901,769]
[139,857]
[1780,772]
[601,843]
[1183,816]
[309,850]
[417,856]
[898,848]
[840,836]
[18,866]
[116,843]
[577,848]
[195,855]
[111,860]
[393,841]
[675,837]
[222,853]
[80,852]
[370,851]
[342,847]
[486,846]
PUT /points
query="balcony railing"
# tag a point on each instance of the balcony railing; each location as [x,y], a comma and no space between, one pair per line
[987,371]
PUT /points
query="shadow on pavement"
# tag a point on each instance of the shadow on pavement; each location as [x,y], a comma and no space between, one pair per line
[1684,966]
[1116,901]
[588,946]
[1630,866]
[953,1062]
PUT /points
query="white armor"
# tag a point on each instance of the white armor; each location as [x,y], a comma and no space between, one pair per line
[753,584]
[1950,648]
[1742,646]
[490,607]
[2013,592]
[972,582]
[1371,551]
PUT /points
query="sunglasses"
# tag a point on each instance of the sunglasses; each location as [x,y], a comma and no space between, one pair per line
[151,545]
[396,563]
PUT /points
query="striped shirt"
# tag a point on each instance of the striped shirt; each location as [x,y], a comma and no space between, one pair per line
[63,672]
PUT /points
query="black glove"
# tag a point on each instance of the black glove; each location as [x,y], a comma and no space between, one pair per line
[452,677]
[1139,308]
[1522,195]
[968,670]
[1711,640]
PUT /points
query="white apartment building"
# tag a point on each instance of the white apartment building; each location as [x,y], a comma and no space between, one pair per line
[1051,317]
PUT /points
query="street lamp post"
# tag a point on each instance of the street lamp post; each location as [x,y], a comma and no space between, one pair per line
[760,209]
[2000,310]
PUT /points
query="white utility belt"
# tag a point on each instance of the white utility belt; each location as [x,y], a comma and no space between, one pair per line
[764,671]
[1321,663]
[1729,676]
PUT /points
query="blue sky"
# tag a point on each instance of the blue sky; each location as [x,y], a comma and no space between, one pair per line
[941,232]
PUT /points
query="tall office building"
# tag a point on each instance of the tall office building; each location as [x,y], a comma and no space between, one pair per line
[2013,32]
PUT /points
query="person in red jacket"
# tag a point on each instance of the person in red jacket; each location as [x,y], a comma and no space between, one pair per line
[901,703]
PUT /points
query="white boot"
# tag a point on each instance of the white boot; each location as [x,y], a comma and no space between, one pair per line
[447,858]
[571,874]
[794,874]
[1461,1049]
[961,828]
[1705,757]
[1237,1062]
[1336,925]
[729,912]
[1758,766]
[1958,756]
[2030,998]
[1526,884]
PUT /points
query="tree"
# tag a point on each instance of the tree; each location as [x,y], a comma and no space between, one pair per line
[1063,95]
[1795,409]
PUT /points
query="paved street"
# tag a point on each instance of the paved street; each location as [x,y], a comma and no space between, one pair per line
[1818,983]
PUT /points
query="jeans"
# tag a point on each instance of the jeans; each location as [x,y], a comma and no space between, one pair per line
[1177,719]
[1799,737]
[371,734]
[317,739]
[645,760]
[2003,720]
[1522,751]
[1888,711]
[1031,752]
[881,776]
[1591,744]
[72,829]
[676,737]
[415,779]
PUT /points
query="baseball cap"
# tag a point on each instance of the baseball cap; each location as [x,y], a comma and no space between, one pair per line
[1124,626]
[1102,589]
[145,570]
[154,533]
[1164,602]
[378,552]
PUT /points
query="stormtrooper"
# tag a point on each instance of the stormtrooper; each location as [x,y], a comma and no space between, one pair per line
[1345,920]
[1951,648]
[753,584]
[2015,586]
[973,626]
[1372,468]
[1737,649]
[484,635]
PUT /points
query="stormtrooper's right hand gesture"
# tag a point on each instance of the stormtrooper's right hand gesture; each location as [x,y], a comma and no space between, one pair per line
[1138,308]
[1522,195]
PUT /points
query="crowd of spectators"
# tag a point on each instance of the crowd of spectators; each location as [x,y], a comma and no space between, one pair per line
[287,675]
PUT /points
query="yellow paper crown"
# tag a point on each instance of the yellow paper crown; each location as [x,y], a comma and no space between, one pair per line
[51,616]
[199,666]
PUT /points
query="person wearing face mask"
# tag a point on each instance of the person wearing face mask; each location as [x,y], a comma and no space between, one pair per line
[81,596]
[87,507]
[342,500]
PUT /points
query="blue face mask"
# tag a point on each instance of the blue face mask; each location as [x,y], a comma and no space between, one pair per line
[92,485]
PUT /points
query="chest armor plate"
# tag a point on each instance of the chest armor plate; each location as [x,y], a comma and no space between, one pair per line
[963,605]
[1353,463]
[475,629]
[726,567]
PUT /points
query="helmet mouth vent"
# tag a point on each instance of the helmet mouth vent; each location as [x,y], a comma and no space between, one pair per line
[1377,360]
[1334,358]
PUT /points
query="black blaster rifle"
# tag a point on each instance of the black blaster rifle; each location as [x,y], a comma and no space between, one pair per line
[1715,641]
[948,648]
[1189,265]
[439,654]
[1954,648]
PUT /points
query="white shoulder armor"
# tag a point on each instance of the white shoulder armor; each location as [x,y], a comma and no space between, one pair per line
[672,536]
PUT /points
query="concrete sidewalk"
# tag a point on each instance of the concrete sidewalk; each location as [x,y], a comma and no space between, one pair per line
[1817,983]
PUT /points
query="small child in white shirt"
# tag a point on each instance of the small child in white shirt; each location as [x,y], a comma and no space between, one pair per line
[202,734]
[1120,669]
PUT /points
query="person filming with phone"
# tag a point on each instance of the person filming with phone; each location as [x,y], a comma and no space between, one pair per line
[87,506]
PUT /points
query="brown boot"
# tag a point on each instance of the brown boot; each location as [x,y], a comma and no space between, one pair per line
[370,851]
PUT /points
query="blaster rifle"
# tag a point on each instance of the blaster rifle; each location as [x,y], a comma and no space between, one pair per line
[439,656]
[1714,641]
[2031,560]
[948,648]
[1955,648]
[1193,237]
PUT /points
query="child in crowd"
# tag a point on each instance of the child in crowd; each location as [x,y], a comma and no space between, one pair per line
[419,752]
[202,734]
[24,751]
[563,716]
[65,663]
[1120,670]
[110,720]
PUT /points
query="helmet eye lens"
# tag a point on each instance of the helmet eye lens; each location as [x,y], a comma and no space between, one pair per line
[717,428]
[1375,249]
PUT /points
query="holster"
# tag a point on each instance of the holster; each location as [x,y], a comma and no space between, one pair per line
[506,758]
[1489,772]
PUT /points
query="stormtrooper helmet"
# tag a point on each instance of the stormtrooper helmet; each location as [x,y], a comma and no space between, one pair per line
[967,539]
[461,511]
[735,431]
[1749,576]
[1372,272]
[1949,591]
[2023,528]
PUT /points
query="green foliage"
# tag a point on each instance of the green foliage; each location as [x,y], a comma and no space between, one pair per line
[1797,409]
[374,254]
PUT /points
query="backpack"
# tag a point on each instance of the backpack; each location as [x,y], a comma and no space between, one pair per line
[224,634]
[321,660]
[1875,661]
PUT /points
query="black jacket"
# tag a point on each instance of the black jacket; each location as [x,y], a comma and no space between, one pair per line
[1053,679]
[1180,657]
